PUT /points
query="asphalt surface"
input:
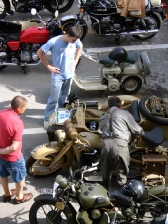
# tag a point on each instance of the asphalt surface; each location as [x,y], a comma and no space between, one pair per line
[35,87]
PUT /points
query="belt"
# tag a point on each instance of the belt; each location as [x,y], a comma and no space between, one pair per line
[109,137]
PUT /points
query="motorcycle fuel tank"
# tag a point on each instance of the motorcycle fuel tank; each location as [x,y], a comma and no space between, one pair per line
[34,35]
[93,196]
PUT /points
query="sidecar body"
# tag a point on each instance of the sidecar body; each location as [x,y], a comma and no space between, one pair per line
[87,117]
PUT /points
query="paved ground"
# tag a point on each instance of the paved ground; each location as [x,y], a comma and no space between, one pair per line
[35,86]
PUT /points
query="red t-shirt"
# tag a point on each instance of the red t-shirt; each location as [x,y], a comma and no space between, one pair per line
[11,129]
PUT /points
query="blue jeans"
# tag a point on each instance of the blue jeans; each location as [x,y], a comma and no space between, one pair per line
[60,89]
[16,169]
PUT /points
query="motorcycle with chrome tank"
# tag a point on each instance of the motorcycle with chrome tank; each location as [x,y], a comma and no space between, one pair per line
[131,203]
[24,6]
[106,19]
[19,47]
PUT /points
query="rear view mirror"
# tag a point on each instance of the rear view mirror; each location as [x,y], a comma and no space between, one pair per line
[56,13]
[33,11]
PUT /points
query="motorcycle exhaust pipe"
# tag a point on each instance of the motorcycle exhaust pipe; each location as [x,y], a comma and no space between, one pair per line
[140,32]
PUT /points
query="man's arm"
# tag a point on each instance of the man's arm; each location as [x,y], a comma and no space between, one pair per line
[43,59]
[78,54]
[13,147]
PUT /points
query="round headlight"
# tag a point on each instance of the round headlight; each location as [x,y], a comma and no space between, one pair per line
[62,181]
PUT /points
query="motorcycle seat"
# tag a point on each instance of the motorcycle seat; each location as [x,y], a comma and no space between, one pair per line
[105,60]
[132,57]
[119,195]
[134,110]
[155,137]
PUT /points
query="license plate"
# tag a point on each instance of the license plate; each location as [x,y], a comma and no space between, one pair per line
[45,191]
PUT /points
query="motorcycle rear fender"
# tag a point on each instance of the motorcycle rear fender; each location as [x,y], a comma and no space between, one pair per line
[126,76]
[158,10]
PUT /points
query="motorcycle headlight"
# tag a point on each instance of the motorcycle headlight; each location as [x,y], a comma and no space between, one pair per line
[62,181]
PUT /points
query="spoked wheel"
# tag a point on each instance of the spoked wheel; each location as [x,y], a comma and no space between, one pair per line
[146,111]
[44,212]
[63,5]
[40,168]
[131,85]
[3,9]
[153,22]
[82,28]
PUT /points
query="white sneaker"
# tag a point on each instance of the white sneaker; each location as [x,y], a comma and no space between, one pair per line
[46,125]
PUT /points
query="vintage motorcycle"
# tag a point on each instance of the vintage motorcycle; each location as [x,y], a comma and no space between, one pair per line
[24,6]
[77,139]
[119,71]
[94,204]
[19,47]
[106,20]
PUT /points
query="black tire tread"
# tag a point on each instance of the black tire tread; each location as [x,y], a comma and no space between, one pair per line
[148,115]
[123,89]
[60,10]
[3,14]
[29,164]
[158,19]
[69,210]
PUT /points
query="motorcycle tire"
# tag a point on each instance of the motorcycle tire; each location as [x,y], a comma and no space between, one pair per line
[147,114]
[131,85]
[3,9]
[64,5]
[43,165]
[3,67]
[156,17]
[81,27]
[44,211]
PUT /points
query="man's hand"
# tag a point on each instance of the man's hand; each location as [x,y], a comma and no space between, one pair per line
[53,69]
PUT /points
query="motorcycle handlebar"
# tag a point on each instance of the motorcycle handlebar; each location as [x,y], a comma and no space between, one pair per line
[36,21]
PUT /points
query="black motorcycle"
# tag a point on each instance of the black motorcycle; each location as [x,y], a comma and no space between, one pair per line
[73,201]
[24,6]
[106,19]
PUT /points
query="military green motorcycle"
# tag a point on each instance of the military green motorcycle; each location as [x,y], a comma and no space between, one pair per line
[73,201]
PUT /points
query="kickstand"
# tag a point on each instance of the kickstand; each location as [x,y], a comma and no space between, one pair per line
[24,69]
[117,39]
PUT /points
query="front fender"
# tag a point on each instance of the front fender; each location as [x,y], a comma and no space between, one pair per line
[41,151]
[68,17]
[75,18]
[43,197]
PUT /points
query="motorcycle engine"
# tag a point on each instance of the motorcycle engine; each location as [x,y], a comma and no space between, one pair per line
[106,25]
[113,83]
[29,52]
